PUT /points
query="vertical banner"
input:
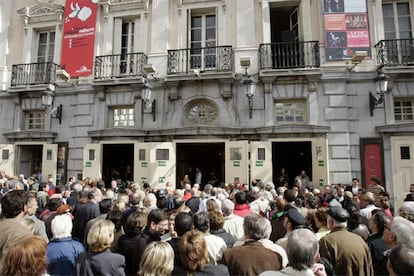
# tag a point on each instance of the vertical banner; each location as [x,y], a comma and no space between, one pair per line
[79,37]
[346,28]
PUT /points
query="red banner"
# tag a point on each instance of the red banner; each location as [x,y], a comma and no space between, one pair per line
[373,163]
[79,37]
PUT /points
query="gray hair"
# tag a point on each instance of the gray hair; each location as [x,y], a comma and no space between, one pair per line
[403,230]
[338,223]
[255,227]
[302,248]
[227,207]
[62,226]
[407,210]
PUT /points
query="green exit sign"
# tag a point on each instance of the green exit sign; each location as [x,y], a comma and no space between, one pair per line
[259,163]
[236,163]
[162,163]
[161,179]
[144,164]
[88,164]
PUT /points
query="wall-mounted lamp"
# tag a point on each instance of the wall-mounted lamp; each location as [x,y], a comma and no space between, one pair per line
[47,102]
[249,82]
[381,83]
[148,105]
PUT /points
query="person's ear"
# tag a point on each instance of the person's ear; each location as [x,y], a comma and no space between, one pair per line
[317,257]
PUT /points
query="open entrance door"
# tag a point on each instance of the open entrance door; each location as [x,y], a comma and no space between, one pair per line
[162,165]
[92,161]
[7,158]
[261,161]
[293,157]
[117,162]
[402,150]
[236,156]
[30,160]
[203,161]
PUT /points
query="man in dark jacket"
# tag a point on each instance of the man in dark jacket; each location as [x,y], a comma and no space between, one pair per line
[156,227]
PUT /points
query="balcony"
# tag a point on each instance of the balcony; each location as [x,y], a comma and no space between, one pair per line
[395,52]
[289,55]
[33,74]
[207,59]
[120,66]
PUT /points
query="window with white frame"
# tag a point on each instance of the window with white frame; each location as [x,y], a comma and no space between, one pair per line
[290,111]
[126,60]
[203,39]
[122,117]
[403,109]
[46,47]
[397,19]
[34,119]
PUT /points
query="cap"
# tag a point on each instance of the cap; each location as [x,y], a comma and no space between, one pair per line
[338,213]
[348,195]
[295,217]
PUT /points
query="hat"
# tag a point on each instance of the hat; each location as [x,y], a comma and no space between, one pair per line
[348,195]
[338,213]
[295,217]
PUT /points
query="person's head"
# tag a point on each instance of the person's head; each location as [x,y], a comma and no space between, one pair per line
[407,210]
[212,205]
[289,195]
[157,260]
[355,182]
[255,227]
[95,195]
[101,235]
[14,203]
[201,222]
[216,220]
[293,219]
[378,221]
[106,205]
[399,231]
[54,204]
[32,204]
[401,261]
[321,217]
[27,257]
[136,222]
[240,197]
[227,207]
[302,249]
[158,221]
[62,226]
[337,217]
[193,251]
[150,200]
[183,223]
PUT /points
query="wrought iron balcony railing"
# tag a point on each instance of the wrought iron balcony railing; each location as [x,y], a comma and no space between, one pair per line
[120,66]
[213,59]
[34,73]
[287,55]
[395,52]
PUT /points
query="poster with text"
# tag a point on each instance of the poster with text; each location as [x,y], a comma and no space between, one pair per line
[79,37]
[346,28]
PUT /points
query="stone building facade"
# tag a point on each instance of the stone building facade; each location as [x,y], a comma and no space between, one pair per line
[239,90]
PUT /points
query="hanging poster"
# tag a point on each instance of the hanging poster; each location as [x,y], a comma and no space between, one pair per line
[346,28]
[79,37]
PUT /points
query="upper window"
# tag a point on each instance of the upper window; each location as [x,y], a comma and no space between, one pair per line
[403,109]
[46,47]
[122,117]
[397,20]
[293,111]
[203,40]
[35,120]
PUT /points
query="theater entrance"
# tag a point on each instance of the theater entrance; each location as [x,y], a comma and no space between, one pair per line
[117,162]
[208,158]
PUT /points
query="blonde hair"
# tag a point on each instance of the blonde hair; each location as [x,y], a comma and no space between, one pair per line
[193,251]
[157,260]
[101,235]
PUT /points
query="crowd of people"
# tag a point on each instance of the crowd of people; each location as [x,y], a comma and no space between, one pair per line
[83,228]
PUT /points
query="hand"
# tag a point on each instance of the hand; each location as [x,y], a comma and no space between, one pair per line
[319,270]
